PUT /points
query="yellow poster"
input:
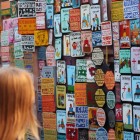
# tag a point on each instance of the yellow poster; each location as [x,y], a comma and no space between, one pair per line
[41,37]
[117,12]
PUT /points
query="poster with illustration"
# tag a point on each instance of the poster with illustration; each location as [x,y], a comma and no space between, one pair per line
[57,6]
[93,124]
[126,90]
[75,44]
[136,118]
[66,3]
[76,3]
[81,70]
[125,34]
[135,32]
[90,71]
[57,26]
[49,16]
[58,48]
[115,29]
[50,1]
[61,72]
[136,88]
[61,121]
[116,45]
[95,18]
[135,60]
[85,17]
[116,71]
[86,41]
[61,96]
[127,116]
[65,24]
[128,135]
[66,45]
[70,108]
[96,39]
[70,78]
[125,61]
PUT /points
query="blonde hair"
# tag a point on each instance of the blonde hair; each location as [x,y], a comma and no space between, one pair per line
[17,98]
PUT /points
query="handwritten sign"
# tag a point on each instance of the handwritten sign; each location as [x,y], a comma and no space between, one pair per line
[18,51]
[41,37]
[100,97]
[26,26]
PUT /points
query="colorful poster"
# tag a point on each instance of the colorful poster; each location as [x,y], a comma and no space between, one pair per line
[96,39]
[119,130]
[40,6]
[75,19]
[40,21]
[85,17]
[26,9]
[80,94]
[117,13]
[115,30]
[127,116]
[70,108]
[4,38]
[61,121]
[66,45]
[57,26]
[128,135]
[75,44]
[81,114]
[116,45]
[106,33]
[61,72]
[49,16]
[81,70]
[76,3]
[57,6]
[66,3]
[118,112]
[61,96]
[125,34]
[95,18]
[125,62]
[104,10]
[135,29]
[86,41]
[13,9]
[65,23]
[126,90]
[58,48]
[18,50]
[117,71]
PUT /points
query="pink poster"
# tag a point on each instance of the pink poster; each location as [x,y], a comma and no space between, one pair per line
[10,23]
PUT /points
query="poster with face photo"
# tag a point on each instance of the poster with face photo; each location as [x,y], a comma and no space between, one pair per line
[58,48]
[66,45]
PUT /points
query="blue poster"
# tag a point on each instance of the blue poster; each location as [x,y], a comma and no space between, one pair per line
[61,137]
[41,53]
[50,1]
[70,75]
[128,135]
[75,3]
[58,48]
[101,134]
[96,39]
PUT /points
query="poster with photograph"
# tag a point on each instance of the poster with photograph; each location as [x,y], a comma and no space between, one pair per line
[58,48]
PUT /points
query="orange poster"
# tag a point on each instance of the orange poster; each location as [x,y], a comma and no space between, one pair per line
[26,26]
[5,5]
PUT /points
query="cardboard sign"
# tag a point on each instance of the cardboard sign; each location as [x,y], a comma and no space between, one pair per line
[57,6]
[111,134]
[41,53]
[81,115]
[26,9]
[125,34]
[92,134]
[83,134]
[118,112]
[118,91]
[126,91]
[76,3]
[97,56]
[57,26]
[116,70]
[86,41]
[135,88]
[106,33]
[66,3]
[96,39]
[5,54]
[111,118]
[19,63]
[119,130]
[75,19]
[116,45]
[70,78]
[136,118]
[104,10]
[26,26]
[110,100]
[61,72]
[13,8]
[81,70]
[75,45]
[127,116]
[70,108]
[49,16]
[65,23]
[128,135]
[18,50]
[80,94]
[40,6]
[40,21]
[58,48]
[137,136]
[95,18]
[101,133]
[4,38]
[61,121]
[85,17]
[66,45]
[117,13]
[131,9]
[27,42]
[115,29]
[61,96]
[134,29]
[41,37]
[48,72]
[125,62]
[100,97]
[92,116]
[17,36]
